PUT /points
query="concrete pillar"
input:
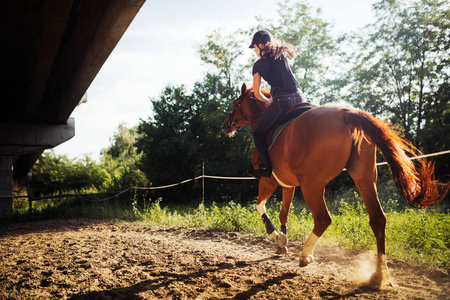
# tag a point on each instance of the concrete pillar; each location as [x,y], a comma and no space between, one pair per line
[6,185]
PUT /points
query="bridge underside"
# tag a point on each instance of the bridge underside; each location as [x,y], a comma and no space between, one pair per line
[52,50]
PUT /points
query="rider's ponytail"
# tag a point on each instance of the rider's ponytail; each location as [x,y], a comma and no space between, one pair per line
[277,47]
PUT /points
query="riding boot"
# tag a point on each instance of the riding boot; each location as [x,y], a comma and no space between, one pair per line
[265,167]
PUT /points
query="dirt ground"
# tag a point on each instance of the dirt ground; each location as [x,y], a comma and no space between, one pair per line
[84,259]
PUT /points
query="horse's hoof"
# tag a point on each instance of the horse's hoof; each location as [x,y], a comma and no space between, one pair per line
[306,260]
[282,240]
[282,250]
[379,280]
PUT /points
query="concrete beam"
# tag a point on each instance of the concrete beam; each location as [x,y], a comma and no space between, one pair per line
[22,138]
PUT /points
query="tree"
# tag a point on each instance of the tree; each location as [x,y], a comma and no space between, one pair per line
[222,52]
[58,174]
[403,63]
[436,132]
[122,160]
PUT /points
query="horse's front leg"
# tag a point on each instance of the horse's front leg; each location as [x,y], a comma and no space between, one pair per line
[266,188]
[288,196]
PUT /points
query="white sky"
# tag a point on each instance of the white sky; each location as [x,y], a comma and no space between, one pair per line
[159,48]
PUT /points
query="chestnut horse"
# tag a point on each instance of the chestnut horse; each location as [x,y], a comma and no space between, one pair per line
[314,148]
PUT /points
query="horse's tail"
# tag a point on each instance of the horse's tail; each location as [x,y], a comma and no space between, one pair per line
[416,185]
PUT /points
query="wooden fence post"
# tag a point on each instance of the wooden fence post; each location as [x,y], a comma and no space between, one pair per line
[203,184]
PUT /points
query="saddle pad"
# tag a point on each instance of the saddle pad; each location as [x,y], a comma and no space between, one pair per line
[292,115]
[277,132]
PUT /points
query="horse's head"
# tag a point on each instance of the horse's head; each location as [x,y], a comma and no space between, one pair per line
[245,111]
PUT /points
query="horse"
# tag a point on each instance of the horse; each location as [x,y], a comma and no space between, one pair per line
[316,147]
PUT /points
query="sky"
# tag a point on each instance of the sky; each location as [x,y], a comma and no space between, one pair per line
[159,48]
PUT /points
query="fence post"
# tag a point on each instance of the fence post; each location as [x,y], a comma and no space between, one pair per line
[131,200]
[203,184]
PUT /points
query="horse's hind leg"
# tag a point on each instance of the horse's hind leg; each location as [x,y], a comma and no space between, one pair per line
[288,196]
[314,198]
[362,169]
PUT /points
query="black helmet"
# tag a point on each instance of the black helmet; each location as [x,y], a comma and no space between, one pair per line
[262,37]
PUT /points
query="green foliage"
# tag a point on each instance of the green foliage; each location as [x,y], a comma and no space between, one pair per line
[58,174]
[390,198]
[222,52]
[234,217]
[435,135]
[229,217]
[155,214]
[350,228]
[402,64]
[118,170]
[420,236]
[423,235]
[122,161]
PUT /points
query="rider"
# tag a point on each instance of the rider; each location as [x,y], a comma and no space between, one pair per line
[285,91]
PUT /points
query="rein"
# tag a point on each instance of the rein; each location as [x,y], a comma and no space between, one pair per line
[232,121]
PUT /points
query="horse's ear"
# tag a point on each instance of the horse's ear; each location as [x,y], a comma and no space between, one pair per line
[243,88]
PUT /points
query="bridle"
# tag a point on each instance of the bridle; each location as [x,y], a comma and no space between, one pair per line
[232,121]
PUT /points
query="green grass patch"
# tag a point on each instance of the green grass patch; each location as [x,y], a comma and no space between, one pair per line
[414,235]
[419,235]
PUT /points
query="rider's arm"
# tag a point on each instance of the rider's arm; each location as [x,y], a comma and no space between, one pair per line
[257,88]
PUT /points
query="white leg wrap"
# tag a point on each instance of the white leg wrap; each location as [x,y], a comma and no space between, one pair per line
[309,245]
[275,236]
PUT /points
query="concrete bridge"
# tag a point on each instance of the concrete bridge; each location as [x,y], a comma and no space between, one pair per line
[51,51]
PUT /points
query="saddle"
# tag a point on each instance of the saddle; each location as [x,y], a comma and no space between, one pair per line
[290,115]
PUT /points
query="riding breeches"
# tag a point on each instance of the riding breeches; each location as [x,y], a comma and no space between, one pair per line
[281,103]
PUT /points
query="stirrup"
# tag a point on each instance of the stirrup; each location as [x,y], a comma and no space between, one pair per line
[251,171]
[261,172]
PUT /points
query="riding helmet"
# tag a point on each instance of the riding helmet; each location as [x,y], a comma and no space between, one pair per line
[262,37]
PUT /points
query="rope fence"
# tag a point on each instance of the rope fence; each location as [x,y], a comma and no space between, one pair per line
[203,176]
[421,156]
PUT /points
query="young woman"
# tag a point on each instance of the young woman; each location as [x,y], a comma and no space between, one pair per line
[285,91]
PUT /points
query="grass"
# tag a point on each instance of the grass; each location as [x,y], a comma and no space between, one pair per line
[413,235]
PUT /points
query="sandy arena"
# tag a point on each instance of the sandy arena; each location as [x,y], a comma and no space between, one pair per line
[84,259]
